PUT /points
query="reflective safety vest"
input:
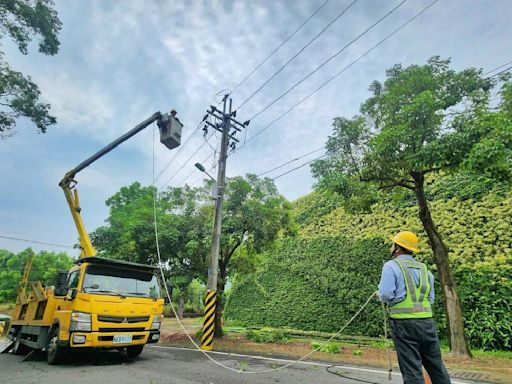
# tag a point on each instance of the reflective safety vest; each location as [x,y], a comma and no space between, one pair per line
[415,305]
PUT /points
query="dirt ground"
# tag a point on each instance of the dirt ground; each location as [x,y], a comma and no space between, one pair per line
[486,368]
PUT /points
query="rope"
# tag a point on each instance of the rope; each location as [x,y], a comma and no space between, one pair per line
[185,330]
[390,366]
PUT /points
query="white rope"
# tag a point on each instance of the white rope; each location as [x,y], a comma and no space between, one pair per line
[390,366]
[185,330]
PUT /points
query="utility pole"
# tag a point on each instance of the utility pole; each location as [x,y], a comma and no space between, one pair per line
[229,127]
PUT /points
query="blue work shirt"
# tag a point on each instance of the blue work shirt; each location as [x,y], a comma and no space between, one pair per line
[392,282]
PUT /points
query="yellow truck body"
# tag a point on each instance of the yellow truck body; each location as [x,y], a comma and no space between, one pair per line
[120,317]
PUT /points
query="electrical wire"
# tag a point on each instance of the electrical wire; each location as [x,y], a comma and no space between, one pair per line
[36,241]
[185,163]
[298,167]
[341,71]
[298,53]
[494,69]
[195,169]
[279,46]
[290,161]
[499,73]
[329,59]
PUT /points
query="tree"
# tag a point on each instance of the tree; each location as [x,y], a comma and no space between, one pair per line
[254,215]
[183,237]
[422,120]
[45,266]
[19,96]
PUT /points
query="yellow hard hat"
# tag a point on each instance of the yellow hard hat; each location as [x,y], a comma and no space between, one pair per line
[406,239]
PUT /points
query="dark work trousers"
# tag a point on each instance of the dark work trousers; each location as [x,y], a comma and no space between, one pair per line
[417,344]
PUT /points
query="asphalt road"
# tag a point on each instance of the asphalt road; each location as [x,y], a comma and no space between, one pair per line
[158,365]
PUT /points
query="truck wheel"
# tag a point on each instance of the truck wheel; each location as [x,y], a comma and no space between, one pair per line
[55,352]
[19,348]
[134,351]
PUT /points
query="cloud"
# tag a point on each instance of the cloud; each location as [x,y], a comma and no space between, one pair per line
[74,102]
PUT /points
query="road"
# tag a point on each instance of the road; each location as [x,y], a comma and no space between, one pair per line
[158,365]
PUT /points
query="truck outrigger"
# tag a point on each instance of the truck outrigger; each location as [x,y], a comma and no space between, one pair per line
[99,302]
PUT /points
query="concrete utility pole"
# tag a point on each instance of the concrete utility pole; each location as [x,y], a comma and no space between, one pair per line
[228,126]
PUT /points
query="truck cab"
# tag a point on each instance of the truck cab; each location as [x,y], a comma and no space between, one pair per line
[99,303]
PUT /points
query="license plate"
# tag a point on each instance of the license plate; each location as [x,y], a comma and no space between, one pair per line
[122,339]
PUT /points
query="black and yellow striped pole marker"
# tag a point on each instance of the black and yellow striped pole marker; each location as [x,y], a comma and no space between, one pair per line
[209,320]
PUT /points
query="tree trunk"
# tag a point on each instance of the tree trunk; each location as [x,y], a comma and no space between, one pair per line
[221,284]
[457,337]
[181,304]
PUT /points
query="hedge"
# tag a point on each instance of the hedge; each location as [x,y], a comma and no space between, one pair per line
[318,280]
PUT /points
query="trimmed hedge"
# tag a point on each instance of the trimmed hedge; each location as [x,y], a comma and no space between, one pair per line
[317,281]
[314,284]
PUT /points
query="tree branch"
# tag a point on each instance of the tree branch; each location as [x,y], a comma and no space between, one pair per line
[397,184]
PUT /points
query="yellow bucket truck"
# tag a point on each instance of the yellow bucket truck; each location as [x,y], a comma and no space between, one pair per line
[99,302]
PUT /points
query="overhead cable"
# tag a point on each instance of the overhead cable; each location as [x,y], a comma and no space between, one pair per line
[185,163]
[328,60]
[298,167]
[290,161]
[279,46]
[195,169]
[341,71]
[36,241]
[298,53]
[494,69]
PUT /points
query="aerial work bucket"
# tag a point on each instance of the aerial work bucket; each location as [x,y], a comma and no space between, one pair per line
[170,130]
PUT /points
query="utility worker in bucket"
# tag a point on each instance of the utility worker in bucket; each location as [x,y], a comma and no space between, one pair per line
[407,287]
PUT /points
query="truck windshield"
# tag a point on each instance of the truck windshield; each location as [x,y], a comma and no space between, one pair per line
[106,280]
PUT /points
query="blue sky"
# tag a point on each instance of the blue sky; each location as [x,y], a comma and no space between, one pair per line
[121,61]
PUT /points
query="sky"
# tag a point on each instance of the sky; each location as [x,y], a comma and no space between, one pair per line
[121,61]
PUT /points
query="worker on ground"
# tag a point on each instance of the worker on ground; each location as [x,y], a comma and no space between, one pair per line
[407,287]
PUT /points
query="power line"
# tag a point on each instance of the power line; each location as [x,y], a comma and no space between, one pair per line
[36,241]
[319,157]
[298,167]
[494,69]
[298,53]
[280,45]
[291,161]
[329,59]
[195,169]
[186,162]
[500,72]
[342,71]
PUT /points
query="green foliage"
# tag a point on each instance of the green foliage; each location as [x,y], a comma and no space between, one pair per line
[19,96]
[45,266]
[465,185]
[264,336]
[313,284]
[306,283]
[22,19]
[329,347]
[486,288]
[183,231]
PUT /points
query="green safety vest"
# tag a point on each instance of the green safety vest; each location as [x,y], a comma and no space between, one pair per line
[415,305]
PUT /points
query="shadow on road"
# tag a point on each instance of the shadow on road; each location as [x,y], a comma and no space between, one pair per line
[88,358]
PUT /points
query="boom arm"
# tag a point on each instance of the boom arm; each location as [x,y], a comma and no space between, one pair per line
[170,134]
